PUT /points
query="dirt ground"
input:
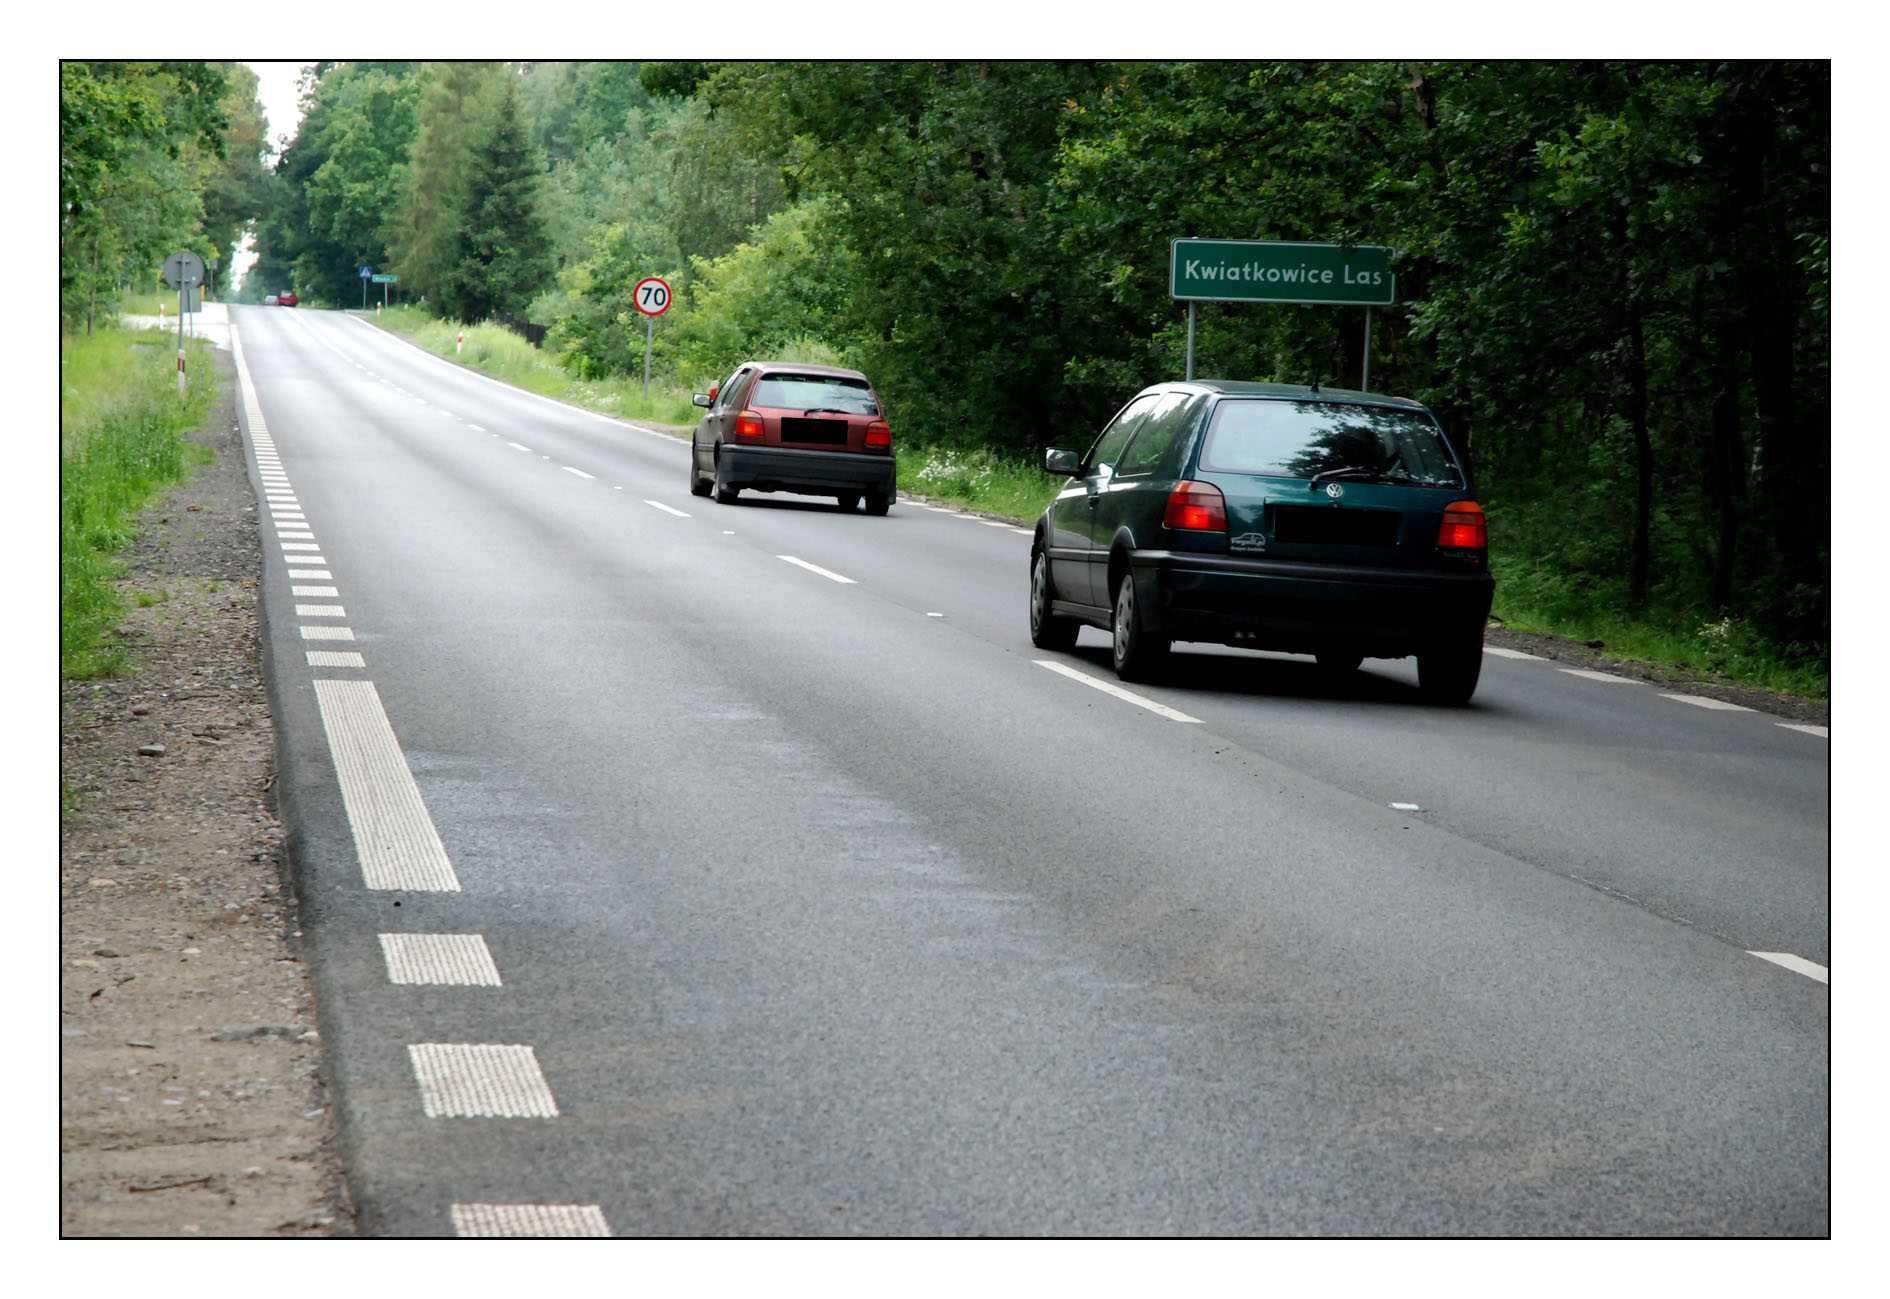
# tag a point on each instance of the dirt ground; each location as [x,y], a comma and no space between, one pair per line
[192,1101]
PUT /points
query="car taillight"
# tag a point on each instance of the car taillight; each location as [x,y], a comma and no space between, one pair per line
[1199,507]
[1463,527]
[879,436]
[748,427]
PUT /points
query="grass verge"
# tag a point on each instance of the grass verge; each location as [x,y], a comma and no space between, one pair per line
[499,352]
[121,440]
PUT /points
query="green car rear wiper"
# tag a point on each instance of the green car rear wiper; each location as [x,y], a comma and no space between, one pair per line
[1343,471]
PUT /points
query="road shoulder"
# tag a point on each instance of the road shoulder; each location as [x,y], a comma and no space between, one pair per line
[191,1095]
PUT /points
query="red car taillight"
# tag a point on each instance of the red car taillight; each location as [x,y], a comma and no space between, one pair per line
[1463,528]
[1198,507]
[748,427]
[879,436]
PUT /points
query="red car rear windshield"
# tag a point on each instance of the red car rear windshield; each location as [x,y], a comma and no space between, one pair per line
[814,392]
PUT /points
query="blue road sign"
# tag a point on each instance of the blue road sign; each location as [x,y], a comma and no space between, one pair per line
[366,271]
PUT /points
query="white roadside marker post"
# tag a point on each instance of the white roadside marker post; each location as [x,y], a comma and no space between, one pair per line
[459,342]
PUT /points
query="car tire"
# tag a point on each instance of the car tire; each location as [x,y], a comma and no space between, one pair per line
[725,493]
[848,502]
[878,502]
[1339,663]
[698,485]
[1448,670]
[1047,630]
[1139,653]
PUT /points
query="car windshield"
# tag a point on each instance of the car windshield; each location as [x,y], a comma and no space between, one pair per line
[815,392]
[1297,439]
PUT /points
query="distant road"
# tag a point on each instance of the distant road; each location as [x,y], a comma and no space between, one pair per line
[675,868]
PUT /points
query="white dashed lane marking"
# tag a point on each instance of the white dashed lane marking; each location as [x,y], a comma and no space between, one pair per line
[459,959]
[310,572]
[518,1221]
[474,427]
[319,611]
[327,633]
[1798,964]
[1110,688]
[579,472]
[516,447]
[335,659]
[667,509]
[464,1080]
[315,590]
[829,574]
[393,834]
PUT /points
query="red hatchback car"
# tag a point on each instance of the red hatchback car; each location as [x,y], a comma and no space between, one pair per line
[781,426]
[286,299]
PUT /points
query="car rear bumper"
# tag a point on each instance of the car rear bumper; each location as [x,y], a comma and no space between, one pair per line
[783,469]
[1303,608]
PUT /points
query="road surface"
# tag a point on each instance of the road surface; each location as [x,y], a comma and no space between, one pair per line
[674,868]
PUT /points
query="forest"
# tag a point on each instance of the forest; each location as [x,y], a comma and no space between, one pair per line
[1613,278]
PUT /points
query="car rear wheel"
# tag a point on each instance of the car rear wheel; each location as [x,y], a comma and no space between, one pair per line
[725,493]
[1047,631]
[1139,653]
[848,502]
[878,502]
[1447,672]
[1339,663]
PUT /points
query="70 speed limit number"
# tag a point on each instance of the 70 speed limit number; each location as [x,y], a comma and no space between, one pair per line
[651,295]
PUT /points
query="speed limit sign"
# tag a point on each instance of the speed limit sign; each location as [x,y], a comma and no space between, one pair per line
[652,296]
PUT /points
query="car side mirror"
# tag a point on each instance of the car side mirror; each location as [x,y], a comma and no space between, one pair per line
[1061,462]
[702,399]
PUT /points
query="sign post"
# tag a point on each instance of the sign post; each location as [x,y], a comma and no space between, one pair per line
[183,271]
[366,273]
[1251,270]
[652,298]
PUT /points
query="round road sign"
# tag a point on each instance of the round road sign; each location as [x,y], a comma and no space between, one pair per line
[651,296]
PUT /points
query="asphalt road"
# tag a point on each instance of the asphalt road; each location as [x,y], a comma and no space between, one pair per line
[822,914]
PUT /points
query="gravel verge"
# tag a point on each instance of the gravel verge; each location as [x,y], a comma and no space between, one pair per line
[192,1098]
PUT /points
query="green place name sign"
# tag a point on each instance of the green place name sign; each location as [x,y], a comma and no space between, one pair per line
[387,279]
[1249,270]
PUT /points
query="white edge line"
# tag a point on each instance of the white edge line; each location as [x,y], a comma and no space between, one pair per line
[1110,688]
[1797,964]
[462,369]
[816,568]
[1807,728]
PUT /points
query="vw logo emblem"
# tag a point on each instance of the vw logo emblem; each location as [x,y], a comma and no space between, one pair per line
[1334,491]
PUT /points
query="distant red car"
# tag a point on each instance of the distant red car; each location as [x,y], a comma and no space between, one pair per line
[286,299]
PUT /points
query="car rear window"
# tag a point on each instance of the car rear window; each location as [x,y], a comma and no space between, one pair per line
[815,392]
[1297,439]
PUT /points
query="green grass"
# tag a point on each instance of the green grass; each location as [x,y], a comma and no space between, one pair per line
[978,479]
[502,354]
[121,441]
[1534,594]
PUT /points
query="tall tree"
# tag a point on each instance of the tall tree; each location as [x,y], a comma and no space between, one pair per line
[457,101]
[501,256]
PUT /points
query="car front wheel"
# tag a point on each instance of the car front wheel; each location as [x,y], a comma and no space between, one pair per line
[1139,653]
[1047,631]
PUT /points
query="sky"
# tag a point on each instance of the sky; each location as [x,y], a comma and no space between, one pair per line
[276,88]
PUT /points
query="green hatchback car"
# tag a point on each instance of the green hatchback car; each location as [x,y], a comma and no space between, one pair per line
[1269,516]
